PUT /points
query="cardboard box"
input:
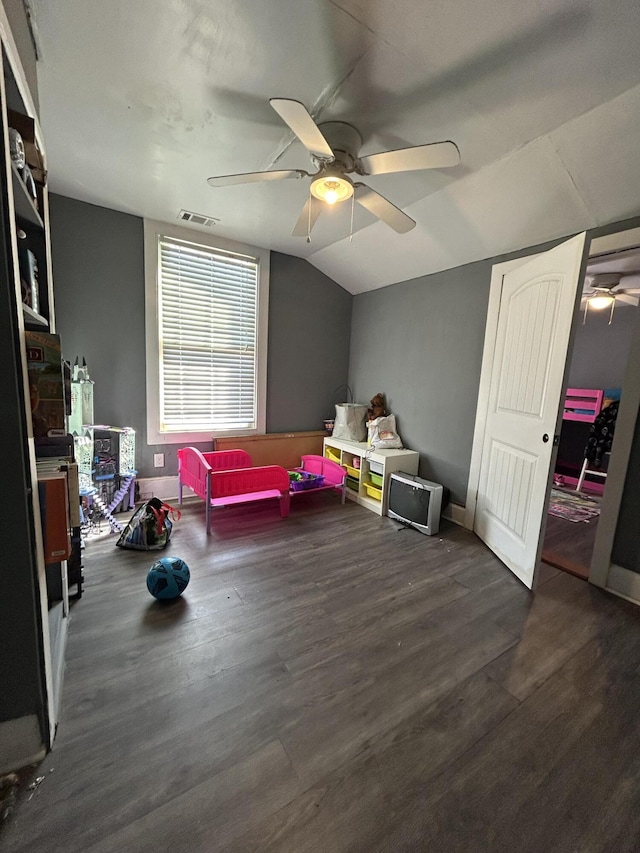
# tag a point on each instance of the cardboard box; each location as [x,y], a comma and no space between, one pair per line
[25,126]
[46,384]
[53,465]
[54,514]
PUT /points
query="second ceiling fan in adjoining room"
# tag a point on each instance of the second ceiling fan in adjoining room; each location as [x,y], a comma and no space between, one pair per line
[603,291]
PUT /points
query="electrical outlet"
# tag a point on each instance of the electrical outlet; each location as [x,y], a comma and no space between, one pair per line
[158,460]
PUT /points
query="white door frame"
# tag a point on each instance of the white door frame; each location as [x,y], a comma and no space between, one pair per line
[602,572]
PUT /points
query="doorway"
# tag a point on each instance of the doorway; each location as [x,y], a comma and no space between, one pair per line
[596,369]
[601,562]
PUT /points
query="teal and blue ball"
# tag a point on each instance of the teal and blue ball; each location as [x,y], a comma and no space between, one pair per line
[168,578]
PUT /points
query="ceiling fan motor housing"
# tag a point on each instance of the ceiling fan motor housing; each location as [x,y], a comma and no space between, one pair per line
[345,142]
[605,281]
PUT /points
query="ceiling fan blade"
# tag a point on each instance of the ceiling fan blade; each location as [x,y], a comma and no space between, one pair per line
[255,177]
[307,218]
[299,120]
[437,155]
[627,299]
[383,209]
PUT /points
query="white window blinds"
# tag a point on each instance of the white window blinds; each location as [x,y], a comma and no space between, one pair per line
[207,307]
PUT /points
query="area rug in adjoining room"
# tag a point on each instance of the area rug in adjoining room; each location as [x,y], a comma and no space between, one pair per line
[573,506]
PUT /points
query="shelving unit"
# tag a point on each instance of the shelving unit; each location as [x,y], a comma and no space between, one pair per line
[33,623]
[361,461]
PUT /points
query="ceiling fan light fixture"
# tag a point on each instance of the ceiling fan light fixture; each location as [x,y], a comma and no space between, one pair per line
[332,188]
[600,302]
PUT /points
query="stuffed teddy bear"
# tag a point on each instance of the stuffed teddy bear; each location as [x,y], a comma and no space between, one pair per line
[377,407]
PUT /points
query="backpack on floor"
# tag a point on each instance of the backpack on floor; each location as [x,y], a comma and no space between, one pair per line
[149,528]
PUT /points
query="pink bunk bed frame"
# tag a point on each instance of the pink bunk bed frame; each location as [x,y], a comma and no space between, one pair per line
[583,404]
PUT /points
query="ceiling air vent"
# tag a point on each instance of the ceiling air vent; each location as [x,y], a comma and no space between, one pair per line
[197,218]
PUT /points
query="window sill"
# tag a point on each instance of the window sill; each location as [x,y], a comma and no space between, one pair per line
[158,438]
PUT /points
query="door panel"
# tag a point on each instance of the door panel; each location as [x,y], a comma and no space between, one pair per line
[536,311]
[508,506]
[531,313]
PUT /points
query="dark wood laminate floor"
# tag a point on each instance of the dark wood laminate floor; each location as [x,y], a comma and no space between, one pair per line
[330,684]
[569,545]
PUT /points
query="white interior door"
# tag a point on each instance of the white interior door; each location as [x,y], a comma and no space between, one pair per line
[537,305]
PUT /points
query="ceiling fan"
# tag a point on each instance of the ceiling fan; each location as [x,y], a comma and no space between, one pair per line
[334,147]
[604,293]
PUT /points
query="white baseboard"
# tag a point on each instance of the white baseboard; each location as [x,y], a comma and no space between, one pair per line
[20,743]
[455,513]
[158,487]
[623,583]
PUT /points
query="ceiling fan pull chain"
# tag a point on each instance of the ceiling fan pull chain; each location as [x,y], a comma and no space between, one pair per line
[353,204]
[613,305]
[586,308]
[309,222]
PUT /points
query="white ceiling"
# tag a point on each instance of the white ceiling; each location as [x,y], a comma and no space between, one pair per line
[142,101]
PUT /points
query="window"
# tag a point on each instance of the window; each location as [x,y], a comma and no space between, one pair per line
[207,310]
[206,331]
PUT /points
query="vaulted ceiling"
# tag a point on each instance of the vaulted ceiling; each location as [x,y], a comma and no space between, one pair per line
[142,101]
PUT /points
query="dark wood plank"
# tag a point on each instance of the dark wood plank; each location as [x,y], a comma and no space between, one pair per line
[546,572]
[415,751]
[387,692]
[480,800]
[561,621]
[341,812]
[566,564]
[570,543]
[208,816]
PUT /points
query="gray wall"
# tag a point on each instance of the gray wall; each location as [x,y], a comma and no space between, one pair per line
[22,36]
[600,352]
[309,330]
[98,272]
[420,343]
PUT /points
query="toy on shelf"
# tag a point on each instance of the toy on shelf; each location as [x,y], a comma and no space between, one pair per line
[81,399]
[377,407]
